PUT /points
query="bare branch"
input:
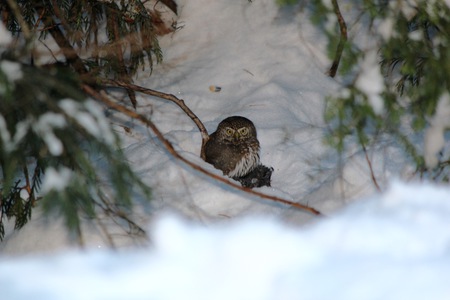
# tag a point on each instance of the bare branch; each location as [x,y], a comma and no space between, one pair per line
[103,97]
[372,174]
[342,39]
[172,98]
[171,4]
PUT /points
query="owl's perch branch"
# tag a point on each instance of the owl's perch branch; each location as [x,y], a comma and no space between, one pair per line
[103,97]
[170,97]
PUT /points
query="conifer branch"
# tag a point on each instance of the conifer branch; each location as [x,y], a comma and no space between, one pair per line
[68,51]
[111,19]
[18,15]
[103,97]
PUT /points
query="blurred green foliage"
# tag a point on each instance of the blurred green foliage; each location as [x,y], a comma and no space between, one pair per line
[49,130]
[411,39]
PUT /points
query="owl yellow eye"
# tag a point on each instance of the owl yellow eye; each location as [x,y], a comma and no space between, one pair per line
[229,131]
[243,131]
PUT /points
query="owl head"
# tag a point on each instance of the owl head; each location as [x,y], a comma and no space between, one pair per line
[236,129]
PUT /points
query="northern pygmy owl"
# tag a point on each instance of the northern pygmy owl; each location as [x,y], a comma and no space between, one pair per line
[233,147]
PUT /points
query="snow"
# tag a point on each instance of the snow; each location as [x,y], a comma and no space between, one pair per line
[269,70]
[5,36]
[24,194]
[56,180]
[408,8]
[21,130]
[11,69]
[386,28]
[44,126]
[4,132]
[392,246]
[208,241]
[89,115]
[434,135]
[371,82]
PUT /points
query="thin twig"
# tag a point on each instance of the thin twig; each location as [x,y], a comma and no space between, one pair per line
[372,174]
[27,180]
[342,40]
[102,96]
[38,21]
[106,233]
[172,98]
[111,211]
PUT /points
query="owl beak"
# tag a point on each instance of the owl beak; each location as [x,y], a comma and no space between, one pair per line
[236,137]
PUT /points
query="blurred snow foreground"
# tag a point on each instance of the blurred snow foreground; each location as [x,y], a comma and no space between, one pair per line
[392,246]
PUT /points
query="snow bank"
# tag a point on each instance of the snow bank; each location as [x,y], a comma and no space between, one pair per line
[393,246]
[5,36]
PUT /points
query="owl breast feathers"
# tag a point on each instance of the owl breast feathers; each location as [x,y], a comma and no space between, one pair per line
[233,147]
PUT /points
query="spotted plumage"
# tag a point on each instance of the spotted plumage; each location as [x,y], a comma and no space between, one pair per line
[233,147]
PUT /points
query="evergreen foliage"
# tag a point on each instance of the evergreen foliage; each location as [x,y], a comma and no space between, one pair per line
[57,148]
[118,36]
[47,127]
[396,94]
